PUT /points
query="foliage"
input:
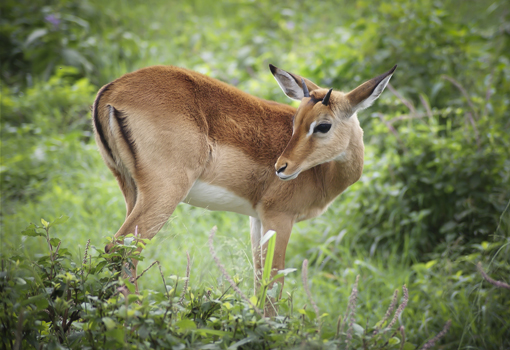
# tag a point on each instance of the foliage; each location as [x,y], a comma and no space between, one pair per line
[30,122]
[437,182]
[53,302]
[38,36]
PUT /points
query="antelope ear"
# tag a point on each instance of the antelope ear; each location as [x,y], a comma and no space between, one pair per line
[364,95]
[291,84]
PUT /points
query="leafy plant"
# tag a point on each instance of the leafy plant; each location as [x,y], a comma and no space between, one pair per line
[54,302]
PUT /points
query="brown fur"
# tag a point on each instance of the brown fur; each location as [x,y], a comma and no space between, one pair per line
[160,129]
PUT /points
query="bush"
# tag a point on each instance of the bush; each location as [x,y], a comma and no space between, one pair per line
[55,302]
[434,184]
[39,36]
[34,126]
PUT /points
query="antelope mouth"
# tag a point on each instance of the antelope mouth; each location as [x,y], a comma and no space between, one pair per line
[288,177]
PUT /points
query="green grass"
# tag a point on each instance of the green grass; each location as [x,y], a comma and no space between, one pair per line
[88,193]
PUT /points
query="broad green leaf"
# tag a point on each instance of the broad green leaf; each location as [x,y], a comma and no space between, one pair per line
[37,300]
[109,323]
[358,330]
[117,334]
[32,231]
[54,241]
[311,314]
[59,220]
[239,343]
[130,286]
[36,34]
[431,263]
[409,346]
[186,324]
[394,341]
[99,266]
[275,277]
[210,331]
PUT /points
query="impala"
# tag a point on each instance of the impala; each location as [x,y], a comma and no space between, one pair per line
[171,135]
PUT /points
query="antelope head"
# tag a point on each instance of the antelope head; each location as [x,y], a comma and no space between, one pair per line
[324,122]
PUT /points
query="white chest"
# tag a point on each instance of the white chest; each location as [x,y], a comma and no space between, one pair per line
[213,197]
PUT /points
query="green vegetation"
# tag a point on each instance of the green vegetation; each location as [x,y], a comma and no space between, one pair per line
[431,205]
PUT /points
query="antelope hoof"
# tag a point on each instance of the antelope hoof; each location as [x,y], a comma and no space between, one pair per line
[108,248]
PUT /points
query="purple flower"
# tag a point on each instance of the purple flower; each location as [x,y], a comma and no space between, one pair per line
[53,20]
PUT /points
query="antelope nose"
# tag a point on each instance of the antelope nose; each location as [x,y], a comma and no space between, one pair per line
[282,168]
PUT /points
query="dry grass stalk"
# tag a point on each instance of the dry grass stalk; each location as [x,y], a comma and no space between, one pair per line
[339,326]
[388,125]
[401,307]
[403,335]
[304,277]
[441,334]
[490,280]
[388,312]
[407,103]
[427,106]
[404,117]
[185,288]
[351,311]
[463,91]
[163,278]
[225,273]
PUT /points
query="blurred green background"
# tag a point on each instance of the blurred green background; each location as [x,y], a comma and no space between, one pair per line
[433,200]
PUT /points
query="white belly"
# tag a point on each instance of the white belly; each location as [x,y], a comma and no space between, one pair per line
[213,197]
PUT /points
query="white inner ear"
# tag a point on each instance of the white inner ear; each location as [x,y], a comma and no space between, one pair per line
[289,85]
[375,94]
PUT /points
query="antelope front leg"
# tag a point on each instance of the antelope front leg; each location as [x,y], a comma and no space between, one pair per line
[283,227]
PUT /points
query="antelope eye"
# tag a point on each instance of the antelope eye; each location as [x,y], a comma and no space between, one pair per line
[323,128]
